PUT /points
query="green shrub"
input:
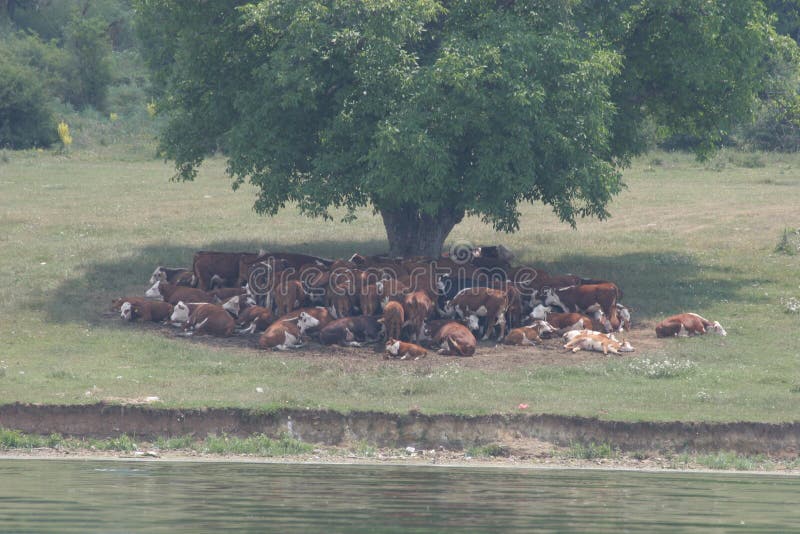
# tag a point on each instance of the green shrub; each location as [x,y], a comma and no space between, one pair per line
[26,120]
[90,66]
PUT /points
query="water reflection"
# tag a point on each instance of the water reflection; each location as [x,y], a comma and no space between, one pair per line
[71,496]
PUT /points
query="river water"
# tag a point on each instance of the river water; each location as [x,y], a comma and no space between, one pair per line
[115,496]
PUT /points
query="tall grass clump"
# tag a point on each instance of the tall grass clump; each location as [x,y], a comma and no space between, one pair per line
[590,451]
[258,445]
[789,242]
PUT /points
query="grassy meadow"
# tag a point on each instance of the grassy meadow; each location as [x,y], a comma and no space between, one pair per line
[78,229]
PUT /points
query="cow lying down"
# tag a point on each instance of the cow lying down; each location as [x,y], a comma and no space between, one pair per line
[595,341]
[688,324]
[400,350]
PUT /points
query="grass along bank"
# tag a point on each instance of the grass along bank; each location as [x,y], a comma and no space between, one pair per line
[79,229]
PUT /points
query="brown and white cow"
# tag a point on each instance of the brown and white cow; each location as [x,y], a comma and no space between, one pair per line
[311,320]
[474,302]
[117,303]
[400,350]
[281,335]
[352,331]
[570,320]
[149,310]
[529,335]
[174,275]
[688,324]
[581,298]
[173,294]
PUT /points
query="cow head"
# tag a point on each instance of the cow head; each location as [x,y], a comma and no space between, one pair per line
[473,323]
[154,291]
[180,313]
[306,322]
[540,312]
[543,328]
[552,298]
[600,318]
[449,310]
[717,329]
[159,275]
[126,311]
[626,347]
[232,306]
[392,347]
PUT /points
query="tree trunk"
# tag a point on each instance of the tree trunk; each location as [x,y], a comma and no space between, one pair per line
[412,233]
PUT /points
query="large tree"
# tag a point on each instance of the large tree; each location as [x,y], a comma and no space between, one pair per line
[431,110]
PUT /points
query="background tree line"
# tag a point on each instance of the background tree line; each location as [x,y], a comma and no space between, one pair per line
[61,57]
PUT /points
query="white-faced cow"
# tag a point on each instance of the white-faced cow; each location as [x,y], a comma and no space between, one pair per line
[688,324]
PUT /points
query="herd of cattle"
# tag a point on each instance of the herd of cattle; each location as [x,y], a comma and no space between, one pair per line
[446,303]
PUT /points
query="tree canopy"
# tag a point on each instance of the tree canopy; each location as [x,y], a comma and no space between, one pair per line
[429,110]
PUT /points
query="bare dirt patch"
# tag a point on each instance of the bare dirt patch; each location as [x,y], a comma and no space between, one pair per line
[489,356]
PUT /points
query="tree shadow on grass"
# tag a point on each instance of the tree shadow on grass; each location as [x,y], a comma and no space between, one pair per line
[655,284]
[87,298]
[660,283]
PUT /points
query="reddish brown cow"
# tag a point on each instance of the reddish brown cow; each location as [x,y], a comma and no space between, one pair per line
[369,299]
[393,319]
[454,338]
[687,324]
[211,319]
[281,335]
[174,294]
[417,307]
[218,268]
[149,310]
[583,297]
[289,295]
[257,318]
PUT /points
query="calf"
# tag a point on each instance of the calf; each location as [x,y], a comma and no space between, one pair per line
[393,320]
[211,319]
[417,307]
[597,342]
[688,324]
[404,351]
[173,275]
[350,331]
[173,294]
[182,311]
[477,302]
[529,335]
[116,304]
[150,310]
[454,338]
[281,335]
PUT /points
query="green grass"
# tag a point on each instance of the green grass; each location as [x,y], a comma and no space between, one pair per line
[77,230]
[493,450]
[591,451]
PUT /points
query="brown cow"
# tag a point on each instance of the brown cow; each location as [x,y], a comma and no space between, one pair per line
[584,297]
[117,303]
[350,331]
[393,319]
[173,294]
[149,310]
[369,299]
[688,324]
[257,318]
[417,307]
[289,295]
[454,338]
[397,349]
[218,268]
[474,302]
